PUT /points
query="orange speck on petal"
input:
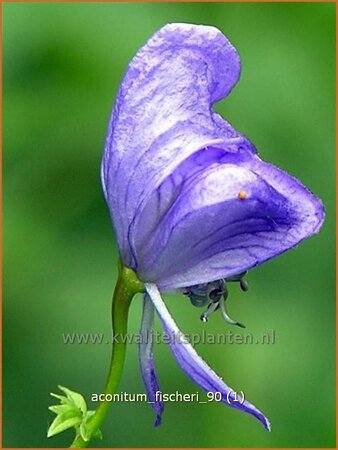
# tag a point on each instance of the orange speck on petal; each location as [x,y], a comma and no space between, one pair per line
[242,195]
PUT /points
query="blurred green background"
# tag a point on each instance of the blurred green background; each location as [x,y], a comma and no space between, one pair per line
[62,66]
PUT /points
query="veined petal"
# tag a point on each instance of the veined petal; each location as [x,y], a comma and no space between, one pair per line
[163,115]
[235,214]
[165,196]
[147,360]
[193,365]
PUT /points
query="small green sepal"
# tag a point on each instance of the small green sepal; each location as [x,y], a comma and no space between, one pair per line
[72,412]
[62,422]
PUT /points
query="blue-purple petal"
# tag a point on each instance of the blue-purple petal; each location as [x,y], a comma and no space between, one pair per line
[209,232]
[162,115]
[173,169]
[193,365]
[147,360]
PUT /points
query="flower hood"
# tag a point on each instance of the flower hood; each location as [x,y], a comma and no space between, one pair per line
[190,199]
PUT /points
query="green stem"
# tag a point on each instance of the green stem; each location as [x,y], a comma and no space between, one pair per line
[126,287]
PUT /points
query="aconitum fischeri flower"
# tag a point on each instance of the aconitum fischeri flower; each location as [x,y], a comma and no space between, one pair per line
[192,204]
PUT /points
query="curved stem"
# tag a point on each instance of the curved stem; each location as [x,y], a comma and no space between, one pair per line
[126,287]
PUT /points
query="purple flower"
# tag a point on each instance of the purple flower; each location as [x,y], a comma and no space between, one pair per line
[192,204]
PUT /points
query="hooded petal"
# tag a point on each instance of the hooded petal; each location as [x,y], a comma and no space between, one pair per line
[163,115]
[147,360]
[193,365]
[233,215]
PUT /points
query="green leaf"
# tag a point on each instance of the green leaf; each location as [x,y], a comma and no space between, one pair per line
[62,422]
[61,409]
[84,428]
[71,412]
[62,399]
[84,432]
[86,436]
[89,415]
[76,398]
[98,434]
